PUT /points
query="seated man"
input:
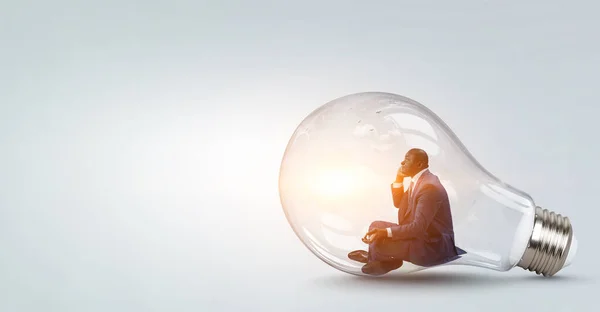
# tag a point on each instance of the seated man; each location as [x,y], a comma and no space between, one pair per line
[424,234]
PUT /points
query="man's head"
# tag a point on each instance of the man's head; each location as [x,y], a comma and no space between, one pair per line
[414,161]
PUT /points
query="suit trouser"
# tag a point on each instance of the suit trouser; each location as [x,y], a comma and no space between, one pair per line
[386,250]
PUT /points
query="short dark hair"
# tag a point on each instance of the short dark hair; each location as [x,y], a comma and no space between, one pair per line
[420,155]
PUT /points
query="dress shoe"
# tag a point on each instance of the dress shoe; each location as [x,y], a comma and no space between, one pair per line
[376,268]
[359,255]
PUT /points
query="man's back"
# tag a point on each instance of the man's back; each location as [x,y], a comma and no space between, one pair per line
[442,221]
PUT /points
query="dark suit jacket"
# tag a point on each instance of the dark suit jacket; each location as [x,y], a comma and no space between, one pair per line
[425,222]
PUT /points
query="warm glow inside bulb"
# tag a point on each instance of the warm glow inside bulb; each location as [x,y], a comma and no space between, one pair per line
[338,182]
[335,182]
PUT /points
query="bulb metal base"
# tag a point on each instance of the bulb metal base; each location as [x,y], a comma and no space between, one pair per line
[549,243]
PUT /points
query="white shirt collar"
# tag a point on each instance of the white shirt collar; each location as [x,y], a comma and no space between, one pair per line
[417,176]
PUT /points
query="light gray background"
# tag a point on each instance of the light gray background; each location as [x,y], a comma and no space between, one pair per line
[141,142]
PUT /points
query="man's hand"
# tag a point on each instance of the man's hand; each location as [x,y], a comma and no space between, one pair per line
[400,176]
[374,235]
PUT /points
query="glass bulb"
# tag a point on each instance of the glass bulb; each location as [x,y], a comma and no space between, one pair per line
[338,167]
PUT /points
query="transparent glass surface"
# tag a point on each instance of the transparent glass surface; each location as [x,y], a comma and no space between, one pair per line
[337,169]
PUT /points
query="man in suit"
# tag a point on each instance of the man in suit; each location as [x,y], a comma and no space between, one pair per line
[424,234]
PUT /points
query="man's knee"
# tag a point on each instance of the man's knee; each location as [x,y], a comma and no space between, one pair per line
[378,225]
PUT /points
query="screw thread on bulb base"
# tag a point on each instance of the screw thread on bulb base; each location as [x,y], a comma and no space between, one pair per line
[549,243]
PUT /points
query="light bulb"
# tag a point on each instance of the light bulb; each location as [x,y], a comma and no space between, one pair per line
[340,162]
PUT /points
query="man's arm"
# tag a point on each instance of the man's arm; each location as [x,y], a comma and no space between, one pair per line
[397,196]
[397,193]
[428,201]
